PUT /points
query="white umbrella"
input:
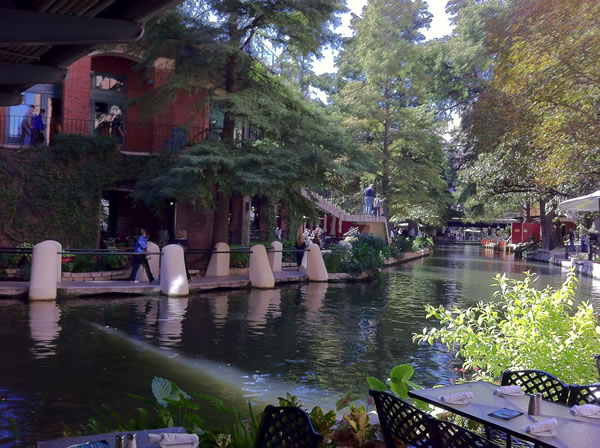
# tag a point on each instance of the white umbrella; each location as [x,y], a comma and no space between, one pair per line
[587,203]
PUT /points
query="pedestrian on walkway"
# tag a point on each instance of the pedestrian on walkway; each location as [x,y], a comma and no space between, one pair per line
[369,194]
[300,245]
[139,258]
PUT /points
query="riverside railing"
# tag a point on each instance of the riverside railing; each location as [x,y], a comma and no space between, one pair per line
[351,204]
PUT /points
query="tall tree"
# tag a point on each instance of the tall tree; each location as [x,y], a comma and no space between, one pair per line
[386,105]
[214,45]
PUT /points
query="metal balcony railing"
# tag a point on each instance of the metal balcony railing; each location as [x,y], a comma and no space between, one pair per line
[351,204]
[140,137]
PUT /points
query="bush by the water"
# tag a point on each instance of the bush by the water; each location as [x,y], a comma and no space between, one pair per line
[366,253]
[522,327]
[401,244]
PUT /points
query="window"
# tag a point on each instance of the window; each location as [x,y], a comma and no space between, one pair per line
[113,83]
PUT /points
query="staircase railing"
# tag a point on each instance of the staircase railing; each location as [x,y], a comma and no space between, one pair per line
[352,205]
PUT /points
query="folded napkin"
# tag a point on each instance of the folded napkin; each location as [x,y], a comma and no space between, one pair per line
[174,440]
[585,409]
[543,426]
[459,396]
[509,390]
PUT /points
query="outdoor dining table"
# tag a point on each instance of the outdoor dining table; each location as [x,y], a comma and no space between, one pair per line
[572,432]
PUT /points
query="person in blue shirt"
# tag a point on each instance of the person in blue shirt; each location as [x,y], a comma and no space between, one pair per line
[141,246]
[38,128]
[369,195]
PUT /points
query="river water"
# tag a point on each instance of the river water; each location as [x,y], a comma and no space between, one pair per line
[62,360]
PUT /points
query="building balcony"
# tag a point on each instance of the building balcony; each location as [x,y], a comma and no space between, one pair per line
[141,138]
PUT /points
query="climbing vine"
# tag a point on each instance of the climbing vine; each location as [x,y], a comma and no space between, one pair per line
[54,192]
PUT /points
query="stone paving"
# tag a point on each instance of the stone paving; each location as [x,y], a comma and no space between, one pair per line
[198,284]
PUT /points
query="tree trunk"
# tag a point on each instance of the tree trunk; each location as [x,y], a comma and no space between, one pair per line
[527,209]
[546,223]
[385,175]
[221,219]
[222,200]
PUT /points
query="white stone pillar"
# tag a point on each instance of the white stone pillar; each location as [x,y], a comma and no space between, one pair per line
[333,222]
[42,285]
[173,281]
[153,262]
[218,266]
[58,259]
[261,275]
[316,270]
[275,256]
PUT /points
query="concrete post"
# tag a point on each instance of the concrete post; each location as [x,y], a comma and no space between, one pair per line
[275,256]
[218,265]
[173,281]
[58,260]
[261,275]
[316,270]
[42,285]
[153,261]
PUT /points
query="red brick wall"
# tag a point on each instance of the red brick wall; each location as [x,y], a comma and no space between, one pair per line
[76,98]
[199,227]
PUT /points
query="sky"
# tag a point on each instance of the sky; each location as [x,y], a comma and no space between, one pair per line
[440,26]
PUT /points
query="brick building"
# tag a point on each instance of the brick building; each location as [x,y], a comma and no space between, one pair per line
[99,88]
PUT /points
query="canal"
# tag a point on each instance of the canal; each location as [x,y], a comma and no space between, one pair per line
[62,360]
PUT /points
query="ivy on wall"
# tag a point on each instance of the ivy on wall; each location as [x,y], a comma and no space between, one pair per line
[55,192]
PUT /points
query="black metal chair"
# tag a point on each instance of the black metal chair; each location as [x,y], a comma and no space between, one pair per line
[402,421]
[537,381]
[589,394]
[454,436]
[286,426]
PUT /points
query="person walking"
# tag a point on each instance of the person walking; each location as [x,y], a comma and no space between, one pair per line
[116,129]
[369,194]
[139,258]
[38,128]
[300,245]
[27,126]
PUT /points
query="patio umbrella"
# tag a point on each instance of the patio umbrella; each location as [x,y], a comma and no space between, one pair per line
[587,203]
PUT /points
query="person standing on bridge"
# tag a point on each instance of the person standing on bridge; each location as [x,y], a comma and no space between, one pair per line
[369,194]
[139,258]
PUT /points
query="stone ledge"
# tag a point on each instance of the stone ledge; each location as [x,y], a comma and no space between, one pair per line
[121,274]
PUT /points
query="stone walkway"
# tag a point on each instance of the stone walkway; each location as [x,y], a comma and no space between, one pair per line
[198,284]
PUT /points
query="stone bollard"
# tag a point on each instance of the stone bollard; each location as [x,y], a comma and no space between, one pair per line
[173,281]
[261,275]
[153,262]
[275,256]
[42,285]
[315,269]
[219,262]
[58,259]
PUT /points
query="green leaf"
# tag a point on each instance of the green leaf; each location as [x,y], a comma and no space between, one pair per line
[165,390]
[375,384]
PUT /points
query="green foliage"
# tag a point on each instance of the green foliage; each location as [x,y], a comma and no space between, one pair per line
[18,260]
[399,383]
[367,254]
[174,407]
[323,422]
[422,242]
[64,182]
[521,328]
[358,428]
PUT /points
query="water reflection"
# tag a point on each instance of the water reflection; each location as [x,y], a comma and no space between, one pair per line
[44,327]
[171,314]
[314,294]
[262,302]
[219,307]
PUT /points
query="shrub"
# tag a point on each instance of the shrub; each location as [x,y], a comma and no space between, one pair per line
[367,254]
[84,263]
[422,243]
[522,328]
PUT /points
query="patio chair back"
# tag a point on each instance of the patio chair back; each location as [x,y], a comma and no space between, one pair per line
[286,426]
[400,420]
[589,394]
[454,436]
[537,381]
